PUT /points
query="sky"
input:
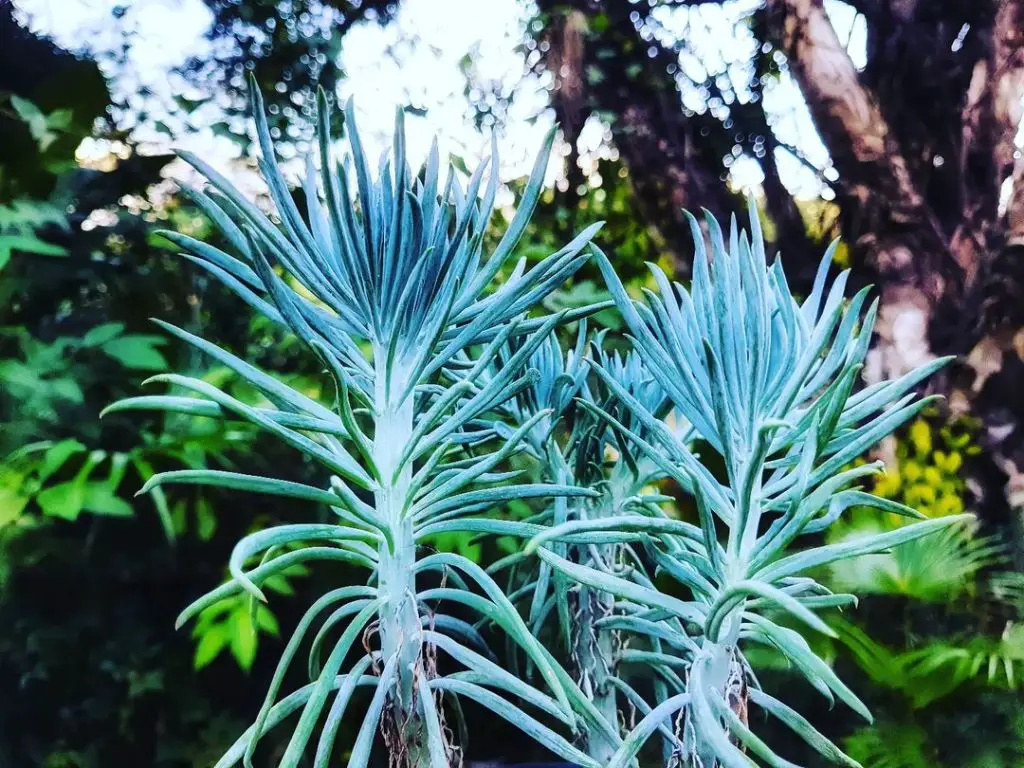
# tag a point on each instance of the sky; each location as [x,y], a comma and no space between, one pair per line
[169,31]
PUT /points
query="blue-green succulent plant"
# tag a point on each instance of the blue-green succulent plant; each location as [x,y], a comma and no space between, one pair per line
[577,445]
[443,372]
[767,384]
[385,279]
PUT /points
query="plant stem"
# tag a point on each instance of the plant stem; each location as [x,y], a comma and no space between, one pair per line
[592,648]
[594,651]
[719,659]
[400,627]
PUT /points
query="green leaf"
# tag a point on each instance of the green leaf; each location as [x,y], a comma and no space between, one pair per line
[145,470]
[60,119]
[137,352]
[101,500]
[461,542]
[101,334]
[64,500]
[239,482]
[800,562]
[266,621]
[27,243]
[36,121]
[67,389]
[243,639]
[210,644]
[12,504]
[56,456]
[206,520]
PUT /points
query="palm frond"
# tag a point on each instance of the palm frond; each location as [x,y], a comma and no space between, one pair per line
[937,568]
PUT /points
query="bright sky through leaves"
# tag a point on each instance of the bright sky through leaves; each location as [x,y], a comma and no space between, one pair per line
[426,47]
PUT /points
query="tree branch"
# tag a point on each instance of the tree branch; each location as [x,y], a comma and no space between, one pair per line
[629,79]
[892,229]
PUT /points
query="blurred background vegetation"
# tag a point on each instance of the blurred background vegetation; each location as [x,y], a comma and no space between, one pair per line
[893,124]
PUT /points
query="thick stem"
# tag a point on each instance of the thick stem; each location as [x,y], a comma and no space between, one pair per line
[400,626]
[592,648]
[724,676]
[604,694]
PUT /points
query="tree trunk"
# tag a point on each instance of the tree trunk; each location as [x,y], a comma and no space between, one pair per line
[890,227]
[947,263]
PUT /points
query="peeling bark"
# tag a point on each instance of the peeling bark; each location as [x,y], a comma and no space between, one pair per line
[1008,52]
[1015,207]
[1008,83]
[997,355]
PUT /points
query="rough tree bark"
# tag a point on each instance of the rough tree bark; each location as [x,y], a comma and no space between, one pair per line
[890,226]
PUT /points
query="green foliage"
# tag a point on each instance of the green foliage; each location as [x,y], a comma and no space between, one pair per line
[892,747]
[44,128]
[43,380]
[937,569]
[961,645]
[20,224]
[608,197]
[87,572]
[137,352]
[937,669]
[983,734]
[235,623]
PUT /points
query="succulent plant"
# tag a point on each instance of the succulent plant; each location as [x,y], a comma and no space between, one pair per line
[576,445]
[392,291]
[767,384]
[442,374]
